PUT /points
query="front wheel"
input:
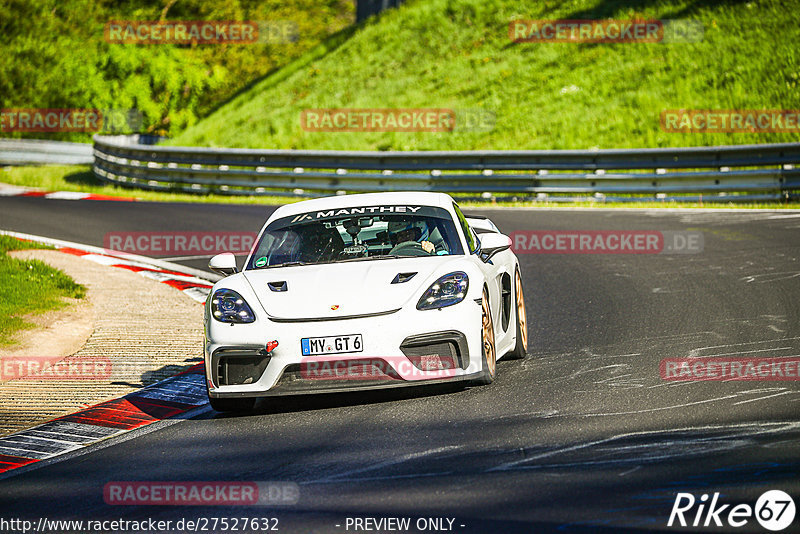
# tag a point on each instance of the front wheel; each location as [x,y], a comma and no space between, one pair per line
[521,348]
[244,404]
[488,354]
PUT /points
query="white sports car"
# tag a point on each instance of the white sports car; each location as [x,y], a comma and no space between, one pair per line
[359,292]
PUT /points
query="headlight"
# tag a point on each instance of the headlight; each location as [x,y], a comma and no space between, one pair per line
[448,290]
[228,306]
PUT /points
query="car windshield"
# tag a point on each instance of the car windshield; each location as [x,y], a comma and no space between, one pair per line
[353,234]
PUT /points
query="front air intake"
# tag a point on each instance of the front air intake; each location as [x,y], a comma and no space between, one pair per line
[235,368]
[437,351]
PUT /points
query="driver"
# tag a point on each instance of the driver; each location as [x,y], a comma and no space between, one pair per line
[405,231]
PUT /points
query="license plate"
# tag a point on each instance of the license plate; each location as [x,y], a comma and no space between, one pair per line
[313,346]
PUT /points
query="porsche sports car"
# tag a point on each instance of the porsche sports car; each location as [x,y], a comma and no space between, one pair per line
[359,292]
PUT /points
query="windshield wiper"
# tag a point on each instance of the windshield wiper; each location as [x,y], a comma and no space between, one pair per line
[284,264]
[367,258]
[359,258]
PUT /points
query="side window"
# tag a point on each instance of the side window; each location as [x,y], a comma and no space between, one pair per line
[468,234]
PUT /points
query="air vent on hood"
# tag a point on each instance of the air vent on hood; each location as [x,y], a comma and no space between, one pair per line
[403,277]
[278,287]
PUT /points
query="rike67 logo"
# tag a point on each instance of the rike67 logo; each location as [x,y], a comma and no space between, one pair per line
[774,510]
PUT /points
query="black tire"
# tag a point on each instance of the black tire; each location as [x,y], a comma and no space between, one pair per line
[520,350]
[243,404]
[488,349]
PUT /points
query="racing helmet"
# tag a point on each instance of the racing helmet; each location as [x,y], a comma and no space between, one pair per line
[396,227]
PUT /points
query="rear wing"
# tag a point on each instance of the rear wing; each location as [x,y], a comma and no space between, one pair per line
[481,224]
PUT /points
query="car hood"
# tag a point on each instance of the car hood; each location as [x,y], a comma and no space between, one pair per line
[339,290]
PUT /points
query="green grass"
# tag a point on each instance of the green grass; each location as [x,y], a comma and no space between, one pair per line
[55,55]
[457,54]
[29,287]
[80,178]
[8,243]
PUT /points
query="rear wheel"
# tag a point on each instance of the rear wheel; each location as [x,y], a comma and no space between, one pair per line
[244,404]
[488,354]
[521,348]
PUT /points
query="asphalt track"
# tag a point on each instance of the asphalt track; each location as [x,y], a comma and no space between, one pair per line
[583,435]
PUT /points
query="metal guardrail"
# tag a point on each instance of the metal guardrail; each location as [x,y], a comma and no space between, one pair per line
[39,152]
[769,170]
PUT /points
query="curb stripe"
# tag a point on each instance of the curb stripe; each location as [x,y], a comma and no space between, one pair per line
[63,195]
[196,290]
[73,251]
[189,390]
[164,400]
[39,449]
[75,432]
[167,399]
[7,463]
[195,369]
[137,268]
[200,294]
[193,287]
[99,252]
[68,195]
[181,285]
[124,414]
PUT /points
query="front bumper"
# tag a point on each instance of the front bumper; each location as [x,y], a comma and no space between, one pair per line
[407,347]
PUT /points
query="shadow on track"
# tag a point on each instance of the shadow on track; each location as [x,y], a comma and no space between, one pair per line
[321,401]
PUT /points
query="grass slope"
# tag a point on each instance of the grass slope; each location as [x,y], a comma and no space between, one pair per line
[55,55]
[29,287]
[457,54]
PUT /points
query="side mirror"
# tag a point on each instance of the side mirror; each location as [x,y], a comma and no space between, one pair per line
[224,264]
[491,244]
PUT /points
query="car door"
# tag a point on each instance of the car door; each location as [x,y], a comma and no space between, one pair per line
[492,273]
